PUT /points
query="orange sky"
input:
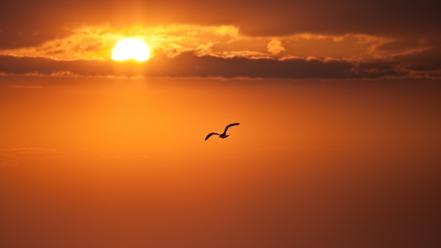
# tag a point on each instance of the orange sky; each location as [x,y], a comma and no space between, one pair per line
[99,162]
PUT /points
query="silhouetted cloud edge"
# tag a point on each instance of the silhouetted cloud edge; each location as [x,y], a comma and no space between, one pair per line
[191,65]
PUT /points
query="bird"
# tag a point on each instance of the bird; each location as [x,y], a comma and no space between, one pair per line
[224,134]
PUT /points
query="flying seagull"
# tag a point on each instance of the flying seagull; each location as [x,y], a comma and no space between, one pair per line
[224,134]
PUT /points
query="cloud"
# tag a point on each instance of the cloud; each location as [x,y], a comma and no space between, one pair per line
[28,150]
[191,65]
[96,43]
[275,47]
[31,22]
[426,64]
[226,51]
[321,39]
[24,86]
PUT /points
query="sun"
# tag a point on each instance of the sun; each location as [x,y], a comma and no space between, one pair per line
[131,49]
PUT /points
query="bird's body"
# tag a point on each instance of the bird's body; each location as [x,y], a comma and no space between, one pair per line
[224,134]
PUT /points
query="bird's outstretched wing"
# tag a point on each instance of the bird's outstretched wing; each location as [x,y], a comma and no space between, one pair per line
[211,134]
[231,125]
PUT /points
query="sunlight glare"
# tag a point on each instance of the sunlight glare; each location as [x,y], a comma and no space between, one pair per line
[131,49]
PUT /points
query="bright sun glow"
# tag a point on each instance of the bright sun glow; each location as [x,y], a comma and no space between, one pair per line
[131,49]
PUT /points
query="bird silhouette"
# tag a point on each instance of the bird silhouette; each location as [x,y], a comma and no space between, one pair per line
[224,134]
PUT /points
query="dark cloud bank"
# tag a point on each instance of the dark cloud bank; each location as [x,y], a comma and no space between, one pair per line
[190,65]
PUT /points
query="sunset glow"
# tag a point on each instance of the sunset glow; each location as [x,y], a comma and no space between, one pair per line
[220,124]
[131,49]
